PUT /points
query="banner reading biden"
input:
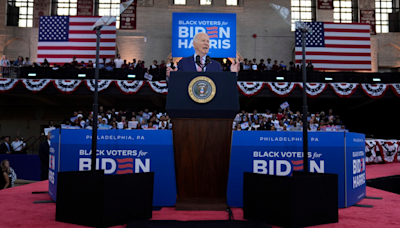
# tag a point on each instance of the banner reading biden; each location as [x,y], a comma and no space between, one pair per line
[220,27]
[280,153]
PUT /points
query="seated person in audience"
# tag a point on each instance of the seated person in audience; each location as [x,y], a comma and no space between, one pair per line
[150,126]
[255,126]
[290,125]
[298,126]
[123,119]
[126,127]
[268,65]
[81,122]
[124,65]
[154,66]
[322,125]
[282,66]
[55,67]
[275,67]
[19,61]
[74,63]
[45,63]
[280,114]
[292,67]
[286,120]
[163,125]
[274,121]
[103,124]
[133,65]
[139,64]
[330,113]
[162,65]
[89,120]
[111,63]
[114,125]
[299,65]
[27,63]
[310,67]
[261,66]
[273,128]
[239,127]
[89,65]
[82,65]
[280,126]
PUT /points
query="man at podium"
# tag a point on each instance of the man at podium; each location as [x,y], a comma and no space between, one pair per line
[200,61]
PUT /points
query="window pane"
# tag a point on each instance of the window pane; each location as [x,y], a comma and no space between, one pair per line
[382,10]
[180,2]
[301,10]
[232,2]
[205,2]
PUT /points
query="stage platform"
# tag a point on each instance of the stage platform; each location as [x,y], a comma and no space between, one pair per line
[18,209]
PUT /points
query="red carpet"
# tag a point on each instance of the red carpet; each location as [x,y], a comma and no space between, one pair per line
[17,208]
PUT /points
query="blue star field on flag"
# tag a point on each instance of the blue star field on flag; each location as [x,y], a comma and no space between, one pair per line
[53,28]
[314,39]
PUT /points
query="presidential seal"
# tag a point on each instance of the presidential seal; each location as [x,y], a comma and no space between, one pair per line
[202,89]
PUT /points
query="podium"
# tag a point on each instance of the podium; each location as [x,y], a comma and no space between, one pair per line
[202,106]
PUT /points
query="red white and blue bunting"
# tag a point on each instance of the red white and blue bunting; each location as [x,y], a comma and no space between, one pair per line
[250,88]
[102,84]
[67,86]
[7,84]
[374,90]
[370,152]
[129,87]
[396,89]
[35,85]
[281,89]
[159,86]
[313,90]
[344,90]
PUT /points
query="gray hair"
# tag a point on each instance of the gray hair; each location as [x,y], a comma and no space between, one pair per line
[195,36]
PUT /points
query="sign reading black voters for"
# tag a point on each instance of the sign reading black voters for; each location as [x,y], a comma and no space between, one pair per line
[220,27]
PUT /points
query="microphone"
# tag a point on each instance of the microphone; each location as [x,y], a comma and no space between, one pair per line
[207,60]
[198,61]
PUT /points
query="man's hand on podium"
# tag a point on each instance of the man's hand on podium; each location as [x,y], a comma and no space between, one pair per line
[169,69]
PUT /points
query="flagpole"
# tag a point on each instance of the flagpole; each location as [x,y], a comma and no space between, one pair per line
[305,108]
[95,102]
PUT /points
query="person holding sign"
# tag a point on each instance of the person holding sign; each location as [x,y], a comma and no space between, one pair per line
[200,61]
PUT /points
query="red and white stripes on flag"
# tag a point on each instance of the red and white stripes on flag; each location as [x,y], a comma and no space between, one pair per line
[63,37]
[336,46]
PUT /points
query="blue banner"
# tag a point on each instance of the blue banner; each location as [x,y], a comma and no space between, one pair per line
[121,152]
[280,153]
[54,162]
[355,168]
[221,28]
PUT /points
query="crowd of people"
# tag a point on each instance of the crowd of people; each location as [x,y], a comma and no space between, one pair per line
[118,63]
[282,120]
[253,65]
[112,119]
[287,120]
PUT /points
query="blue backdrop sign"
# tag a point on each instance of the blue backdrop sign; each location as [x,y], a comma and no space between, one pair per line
[355,168]
[280,153]
[122,152]
[221,28]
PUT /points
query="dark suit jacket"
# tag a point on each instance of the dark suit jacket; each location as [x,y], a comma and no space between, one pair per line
[44,149]
[4,149]
[188,64]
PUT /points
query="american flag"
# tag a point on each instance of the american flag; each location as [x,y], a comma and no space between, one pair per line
[334,46]
[63,37]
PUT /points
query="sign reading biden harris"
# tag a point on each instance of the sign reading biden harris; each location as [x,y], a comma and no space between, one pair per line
[220,27]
